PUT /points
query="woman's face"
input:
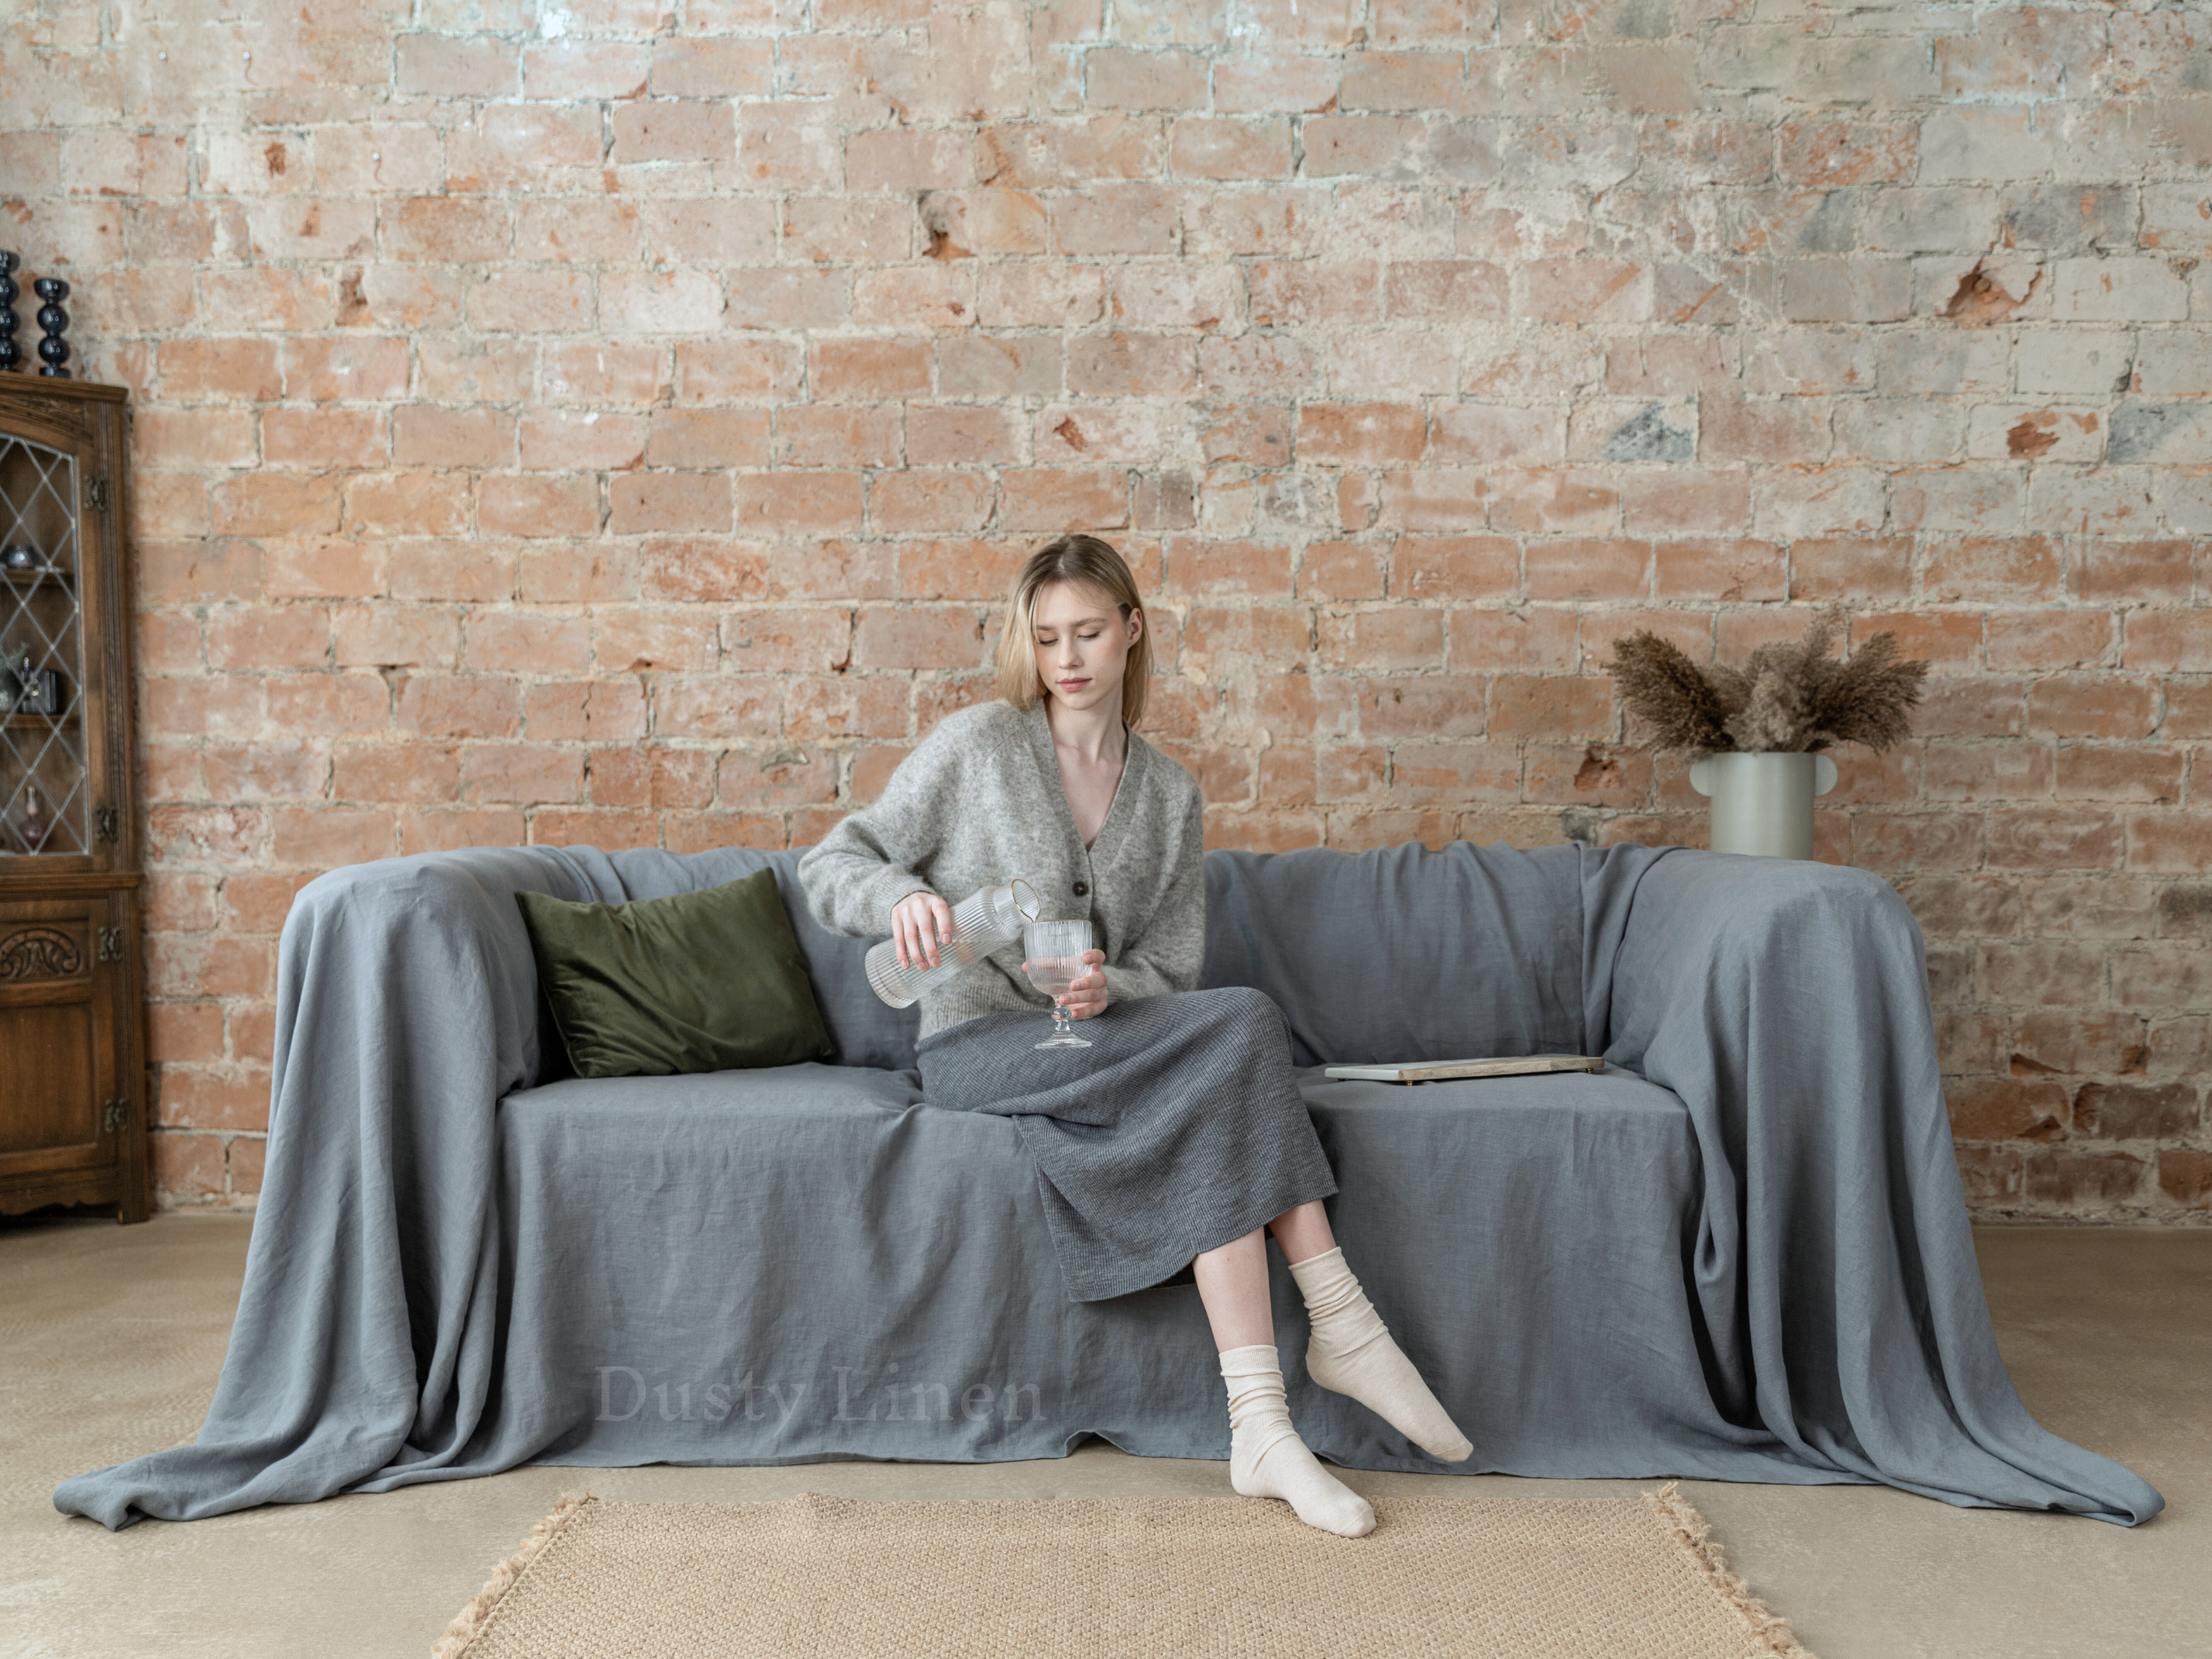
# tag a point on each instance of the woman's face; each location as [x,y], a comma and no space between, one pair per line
[1082,644]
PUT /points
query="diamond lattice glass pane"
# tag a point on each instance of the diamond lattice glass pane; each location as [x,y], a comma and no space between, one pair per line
[44,794]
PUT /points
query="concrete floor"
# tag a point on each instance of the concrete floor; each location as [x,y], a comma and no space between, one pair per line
[111,1338]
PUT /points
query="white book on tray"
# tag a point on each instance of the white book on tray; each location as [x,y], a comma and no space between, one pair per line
[1437,1071]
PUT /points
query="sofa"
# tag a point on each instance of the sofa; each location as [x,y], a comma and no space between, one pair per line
[1738,1252]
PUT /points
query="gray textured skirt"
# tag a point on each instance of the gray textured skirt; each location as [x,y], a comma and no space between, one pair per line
[1180,1127]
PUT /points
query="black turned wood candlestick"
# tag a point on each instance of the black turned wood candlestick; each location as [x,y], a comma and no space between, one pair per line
[10,354]
[53,350]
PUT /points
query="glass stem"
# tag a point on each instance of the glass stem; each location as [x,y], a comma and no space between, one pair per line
[1060,1028]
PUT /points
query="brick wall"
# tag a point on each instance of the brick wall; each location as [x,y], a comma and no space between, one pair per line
[569,430]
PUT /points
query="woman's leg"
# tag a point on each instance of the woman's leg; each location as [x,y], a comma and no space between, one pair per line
[1266,1457]
[1303,1231]
[1350,1350]
[1233,1284]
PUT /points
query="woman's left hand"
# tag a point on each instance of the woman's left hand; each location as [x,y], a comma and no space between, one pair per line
[1087,995]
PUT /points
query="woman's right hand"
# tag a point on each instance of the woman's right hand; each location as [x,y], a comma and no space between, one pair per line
[919,922]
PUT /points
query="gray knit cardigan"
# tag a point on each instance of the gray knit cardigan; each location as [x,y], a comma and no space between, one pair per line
[979,801]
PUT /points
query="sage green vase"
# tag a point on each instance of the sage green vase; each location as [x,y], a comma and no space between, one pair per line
[1763,803]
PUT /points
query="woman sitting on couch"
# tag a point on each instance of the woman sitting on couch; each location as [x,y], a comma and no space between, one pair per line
[1179,1131]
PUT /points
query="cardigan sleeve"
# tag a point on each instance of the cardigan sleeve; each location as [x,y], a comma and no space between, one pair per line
[1169,953]
[866,864]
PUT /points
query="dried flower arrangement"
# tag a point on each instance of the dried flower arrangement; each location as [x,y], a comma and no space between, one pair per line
[1786,698]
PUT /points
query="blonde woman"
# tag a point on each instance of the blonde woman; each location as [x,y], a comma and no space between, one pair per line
[1179,1133]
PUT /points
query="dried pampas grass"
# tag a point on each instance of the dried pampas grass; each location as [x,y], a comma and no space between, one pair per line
[1785,697]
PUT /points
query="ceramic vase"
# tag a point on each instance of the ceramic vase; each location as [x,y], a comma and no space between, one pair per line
[1763,803]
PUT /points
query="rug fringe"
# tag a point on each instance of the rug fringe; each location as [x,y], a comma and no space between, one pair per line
[1693,1532]
[469,1622]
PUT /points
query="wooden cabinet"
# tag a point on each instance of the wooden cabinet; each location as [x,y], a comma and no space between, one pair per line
[73,1119]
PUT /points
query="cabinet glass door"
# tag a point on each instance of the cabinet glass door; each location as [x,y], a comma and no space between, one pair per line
[43,785]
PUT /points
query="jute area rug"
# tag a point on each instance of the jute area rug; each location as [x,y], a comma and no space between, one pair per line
[1117,1578]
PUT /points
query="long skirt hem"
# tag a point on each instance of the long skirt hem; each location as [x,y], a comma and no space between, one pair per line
[1150,1272]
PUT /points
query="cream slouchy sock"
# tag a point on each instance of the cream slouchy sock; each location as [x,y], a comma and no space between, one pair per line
[1266,1457]
[1353,1353]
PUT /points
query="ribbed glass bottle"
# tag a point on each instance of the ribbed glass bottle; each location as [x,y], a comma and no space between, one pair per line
[983,921]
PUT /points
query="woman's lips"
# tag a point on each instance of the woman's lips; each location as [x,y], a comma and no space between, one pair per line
[1073,685]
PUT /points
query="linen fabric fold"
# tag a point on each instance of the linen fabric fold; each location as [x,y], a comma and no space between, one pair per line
[1832,1260]
[406,1007]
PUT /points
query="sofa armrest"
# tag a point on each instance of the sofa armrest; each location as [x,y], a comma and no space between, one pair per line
[1785,1003]
[407,1008]
[1780,936]
[431,944]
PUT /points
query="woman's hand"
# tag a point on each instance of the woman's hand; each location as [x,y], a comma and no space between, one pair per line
[1087,995]
[920,923]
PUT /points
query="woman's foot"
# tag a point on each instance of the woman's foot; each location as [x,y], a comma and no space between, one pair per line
[1353,1353]
[1266,1457]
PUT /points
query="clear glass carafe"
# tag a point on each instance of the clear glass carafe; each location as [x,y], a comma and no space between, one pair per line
[983,921]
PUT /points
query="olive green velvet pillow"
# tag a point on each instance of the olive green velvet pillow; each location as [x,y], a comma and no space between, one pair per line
[706,981]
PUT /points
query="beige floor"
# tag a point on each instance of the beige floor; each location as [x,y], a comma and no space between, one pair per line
[110,1340]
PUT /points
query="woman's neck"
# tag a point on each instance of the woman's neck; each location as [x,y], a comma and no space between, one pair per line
[1094,735]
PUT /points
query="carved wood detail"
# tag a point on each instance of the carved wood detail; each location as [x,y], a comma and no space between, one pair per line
[40,953]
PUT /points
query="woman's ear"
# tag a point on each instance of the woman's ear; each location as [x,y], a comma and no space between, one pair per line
[1136,626]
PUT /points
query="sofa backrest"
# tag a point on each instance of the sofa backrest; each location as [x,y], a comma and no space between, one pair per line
[1397,953]
[1405,954]
[865,1029]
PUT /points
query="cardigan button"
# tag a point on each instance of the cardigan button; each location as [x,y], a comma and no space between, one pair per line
[1082,887]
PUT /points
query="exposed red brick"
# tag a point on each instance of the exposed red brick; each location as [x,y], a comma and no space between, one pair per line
[1587,569]
[1422,706]
[798,504]
[188,1166]
[2016,568]
[2076,1042]
[533,506]
[1360,434]
[1198,567]
[1047,499]
[2072,1176]
[934,638]
[2136,1111]
[2007,1109]
[2184,1176]
[1550,706]
[627,437]
[1485,639]
[2086,706]
[395,772]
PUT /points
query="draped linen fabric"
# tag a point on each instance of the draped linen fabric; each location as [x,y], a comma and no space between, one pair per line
[1739,1252]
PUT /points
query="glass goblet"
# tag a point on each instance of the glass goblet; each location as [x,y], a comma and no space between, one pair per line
[1054,953]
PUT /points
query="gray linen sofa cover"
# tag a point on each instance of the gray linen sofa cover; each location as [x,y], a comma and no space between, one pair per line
[1740,1253]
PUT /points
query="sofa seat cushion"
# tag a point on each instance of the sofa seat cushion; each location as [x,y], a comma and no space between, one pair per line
[806,1091]
[765,1266]
[1534,1230]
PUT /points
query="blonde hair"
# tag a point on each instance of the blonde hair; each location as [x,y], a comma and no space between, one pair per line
[1085,562]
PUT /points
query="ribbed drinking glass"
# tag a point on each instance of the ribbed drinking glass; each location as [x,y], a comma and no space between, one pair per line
[1055,952]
